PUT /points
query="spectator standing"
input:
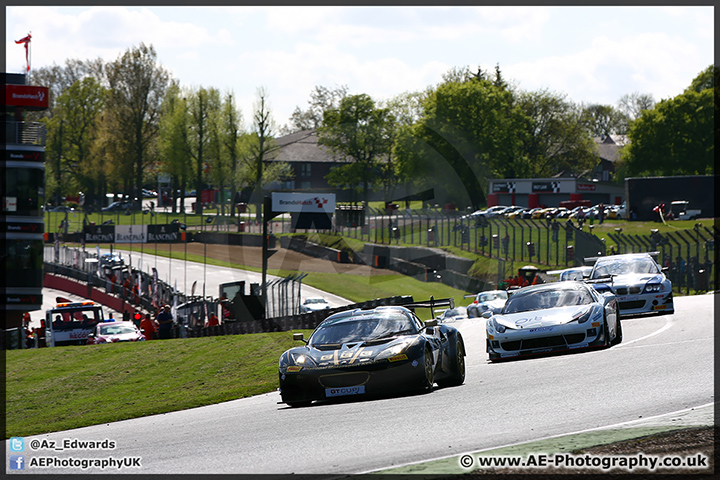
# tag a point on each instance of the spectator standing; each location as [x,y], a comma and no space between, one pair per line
[148,327]
[165,323]
[213,321]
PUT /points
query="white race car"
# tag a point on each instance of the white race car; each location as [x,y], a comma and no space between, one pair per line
[314,304]
[574,274]
[553,317]
[491,300]
[637,280]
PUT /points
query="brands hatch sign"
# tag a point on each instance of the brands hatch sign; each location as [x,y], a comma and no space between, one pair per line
[132,233]
[303,202]
[29,96]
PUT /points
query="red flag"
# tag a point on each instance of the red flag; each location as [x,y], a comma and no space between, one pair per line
[26,41]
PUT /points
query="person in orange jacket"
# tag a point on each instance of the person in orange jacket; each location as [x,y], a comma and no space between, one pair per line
[212,321]
[148,327]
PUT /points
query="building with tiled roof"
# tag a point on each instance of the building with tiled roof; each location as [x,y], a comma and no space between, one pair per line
[310,161]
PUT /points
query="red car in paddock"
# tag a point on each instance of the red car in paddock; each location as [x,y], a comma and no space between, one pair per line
[114,332]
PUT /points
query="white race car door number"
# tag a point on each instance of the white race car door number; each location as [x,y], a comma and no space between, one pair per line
[341,391]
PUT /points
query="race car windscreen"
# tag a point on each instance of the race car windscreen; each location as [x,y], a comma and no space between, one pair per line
[362,329]
[625,267]
[544,299]
[116,329]
[72,318]
[489,297]
[455,312]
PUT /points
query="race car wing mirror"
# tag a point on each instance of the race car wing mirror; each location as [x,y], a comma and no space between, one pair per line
[299,337]
[487,314]
[430,326]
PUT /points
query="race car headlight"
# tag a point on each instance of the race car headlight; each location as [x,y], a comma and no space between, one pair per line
[396,349]
[301,359]
[654,287]
[498,328]
[582,317]
[601,288]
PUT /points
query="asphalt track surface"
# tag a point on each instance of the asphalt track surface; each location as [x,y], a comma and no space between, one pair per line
[665,364]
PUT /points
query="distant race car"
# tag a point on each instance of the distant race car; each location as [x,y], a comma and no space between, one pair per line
[491,300]
[313,304]
[453,315]
[637,280]
[574,274]
[114,332]
[553,317]
[371,352]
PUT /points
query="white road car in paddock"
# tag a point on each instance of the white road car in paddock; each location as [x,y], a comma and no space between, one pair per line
[637,280]
[553,317]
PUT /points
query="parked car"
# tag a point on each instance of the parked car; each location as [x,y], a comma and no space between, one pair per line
[61,208]
[117,207]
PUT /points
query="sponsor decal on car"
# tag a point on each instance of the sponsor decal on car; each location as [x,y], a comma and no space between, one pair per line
[659,307]
[342,391]
[294,368]
[595,324]
[541,329]
[397,358]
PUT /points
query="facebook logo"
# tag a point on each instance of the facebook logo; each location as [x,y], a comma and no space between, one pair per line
[17,462]
[17,444]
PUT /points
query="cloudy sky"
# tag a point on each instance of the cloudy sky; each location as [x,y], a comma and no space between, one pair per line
[591,54]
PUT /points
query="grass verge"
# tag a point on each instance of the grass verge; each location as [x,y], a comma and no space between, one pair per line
[81,386]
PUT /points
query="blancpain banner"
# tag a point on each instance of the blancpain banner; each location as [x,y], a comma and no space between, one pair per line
[303,202]
[130,233]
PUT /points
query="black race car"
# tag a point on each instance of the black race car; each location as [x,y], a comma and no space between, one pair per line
[372,352]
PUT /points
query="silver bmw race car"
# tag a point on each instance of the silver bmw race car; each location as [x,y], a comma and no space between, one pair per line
[553,317]
[637,280]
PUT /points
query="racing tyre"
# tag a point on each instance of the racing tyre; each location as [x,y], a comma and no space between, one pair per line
[428,371]
[606,335]
[457,369]
[618,334]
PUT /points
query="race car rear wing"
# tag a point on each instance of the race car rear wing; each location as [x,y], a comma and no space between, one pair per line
[431,304]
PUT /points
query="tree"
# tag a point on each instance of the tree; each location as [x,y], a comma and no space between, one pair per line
[173,142]
[231,131]
[76,115]
[605,120]
[677,136]
[137,87]
[321,99]
[634,104]
[471,130]
[361,132]
[260,143]
[203,105]
[556,137]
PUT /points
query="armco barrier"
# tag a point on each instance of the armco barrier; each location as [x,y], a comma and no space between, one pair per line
[306,321]
[87,291]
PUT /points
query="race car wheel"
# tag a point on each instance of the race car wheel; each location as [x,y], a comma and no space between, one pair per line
[618,332]
[606,334]
[429,371]
[457,369]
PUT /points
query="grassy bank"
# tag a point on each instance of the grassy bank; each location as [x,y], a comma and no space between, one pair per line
[52,389]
